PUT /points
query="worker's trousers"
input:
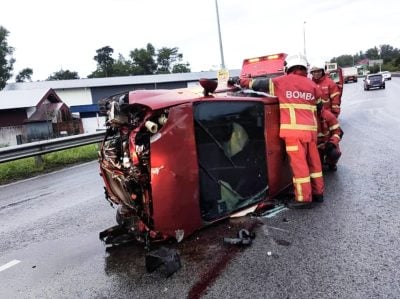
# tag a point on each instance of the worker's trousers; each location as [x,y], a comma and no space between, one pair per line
[306,169]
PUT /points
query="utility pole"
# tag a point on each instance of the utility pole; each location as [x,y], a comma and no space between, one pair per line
[304,37]
[220,39]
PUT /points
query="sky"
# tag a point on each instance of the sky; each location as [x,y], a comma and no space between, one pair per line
[50,35]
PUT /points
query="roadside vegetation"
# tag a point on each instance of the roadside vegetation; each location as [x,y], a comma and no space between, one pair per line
[28,167]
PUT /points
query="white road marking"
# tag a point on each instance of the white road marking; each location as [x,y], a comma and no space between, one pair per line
[9,265]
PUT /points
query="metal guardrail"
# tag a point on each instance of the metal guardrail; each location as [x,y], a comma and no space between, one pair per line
[44,147]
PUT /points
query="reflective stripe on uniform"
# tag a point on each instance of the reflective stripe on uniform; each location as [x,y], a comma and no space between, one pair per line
[298,106]
[302,180]
[335,106]
[292,148]
[315,175]
[337,136]
[334,94]
[334,127]
[297,182]
[298,127]
[271,88]
[292,112]
[322,134]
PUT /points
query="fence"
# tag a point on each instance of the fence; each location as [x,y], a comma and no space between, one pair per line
[43,147]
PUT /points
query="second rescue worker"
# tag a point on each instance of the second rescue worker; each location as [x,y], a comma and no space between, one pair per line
[297,97]
[330,91]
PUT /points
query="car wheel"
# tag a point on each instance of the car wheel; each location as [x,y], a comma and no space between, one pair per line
[383,87]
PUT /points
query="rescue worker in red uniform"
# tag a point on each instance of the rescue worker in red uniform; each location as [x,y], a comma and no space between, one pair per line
[329,136]
[297,97]
[331,93]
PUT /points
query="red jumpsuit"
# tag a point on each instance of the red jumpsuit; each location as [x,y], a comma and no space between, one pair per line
[328,131]
[297,97]
[331,94]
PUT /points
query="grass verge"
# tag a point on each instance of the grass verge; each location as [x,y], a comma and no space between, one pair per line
[27,167]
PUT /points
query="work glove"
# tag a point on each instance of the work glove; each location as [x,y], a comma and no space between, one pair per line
[232,81]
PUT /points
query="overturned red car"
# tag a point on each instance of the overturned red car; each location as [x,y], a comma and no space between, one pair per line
[174,161]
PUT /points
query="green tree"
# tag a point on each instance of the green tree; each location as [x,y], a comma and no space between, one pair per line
[104,61]
[181,68]
[24,75]
[63,75]
[170,60]
[121,67]
[344,60]
[143,60]
[372,53]
[6,59]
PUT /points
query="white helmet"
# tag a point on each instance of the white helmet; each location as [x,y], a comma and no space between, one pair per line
[293,60]
[317,68]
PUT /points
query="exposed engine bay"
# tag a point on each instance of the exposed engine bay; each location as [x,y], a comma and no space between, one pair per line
[125,162]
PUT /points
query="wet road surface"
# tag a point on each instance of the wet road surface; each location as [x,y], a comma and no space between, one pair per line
[346,247]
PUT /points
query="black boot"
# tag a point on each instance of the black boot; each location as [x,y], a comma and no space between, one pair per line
[299,205]
[332,167]
[318,198]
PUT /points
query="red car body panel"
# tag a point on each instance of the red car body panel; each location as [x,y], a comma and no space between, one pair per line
[279,175]
[174,178]
[157,99]
[168,203]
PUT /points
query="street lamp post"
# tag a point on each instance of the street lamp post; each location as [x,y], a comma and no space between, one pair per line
[220,39]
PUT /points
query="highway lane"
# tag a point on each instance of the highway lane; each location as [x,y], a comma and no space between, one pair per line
[346,247]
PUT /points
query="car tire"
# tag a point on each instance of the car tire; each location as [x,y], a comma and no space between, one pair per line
[383,87]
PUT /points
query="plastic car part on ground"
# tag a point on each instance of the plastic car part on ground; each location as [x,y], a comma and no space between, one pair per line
[244,238]
[166,257]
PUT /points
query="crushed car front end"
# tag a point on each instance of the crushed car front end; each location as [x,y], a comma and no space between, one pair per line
[174,162]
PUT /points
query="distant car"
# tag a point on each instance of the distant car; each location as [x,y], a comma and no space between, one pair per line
[374,81]
[386,75]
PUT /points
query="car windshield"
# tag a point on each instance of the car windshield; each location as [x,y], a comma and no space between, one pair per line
[375,77]
[231,152]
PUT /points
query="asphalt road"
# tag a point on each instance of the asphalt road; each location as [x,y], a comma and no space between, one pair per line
[346,247]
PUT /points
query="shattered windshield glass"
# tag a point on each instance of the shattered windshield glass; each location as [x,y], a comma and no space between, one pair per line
[231,153]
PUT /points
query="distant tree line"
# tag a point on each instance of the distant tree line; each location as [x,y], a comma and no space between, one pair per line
[141,61]
[389,55]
